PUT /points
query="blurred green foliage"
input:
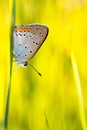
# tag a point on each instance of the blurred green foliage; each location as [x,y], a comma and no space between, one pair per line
[58,99]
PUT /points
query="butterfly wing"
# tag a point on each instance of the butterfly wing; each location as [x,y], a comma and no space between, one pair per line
[27,41]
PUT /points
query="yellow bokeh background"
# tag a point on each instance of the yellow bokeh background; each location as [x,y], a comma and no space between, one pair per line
[58,99]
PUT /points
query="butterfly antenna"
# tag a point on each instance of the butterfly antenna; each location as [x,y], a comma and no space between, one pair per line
[35,69]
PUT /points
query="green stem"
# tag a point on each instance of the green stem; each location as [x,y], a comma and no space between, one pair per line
[11,57]
[7,108]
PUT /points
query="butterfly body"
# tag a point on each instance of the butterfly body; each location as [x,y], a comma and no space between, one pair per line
[27,40]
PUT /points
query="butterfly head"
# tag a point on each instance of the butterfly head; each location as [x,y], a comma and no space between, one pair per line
[25,64]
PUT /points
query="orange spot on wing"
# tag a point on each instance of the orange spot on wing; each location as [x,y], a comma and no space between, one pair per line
[24,29]
[42,35]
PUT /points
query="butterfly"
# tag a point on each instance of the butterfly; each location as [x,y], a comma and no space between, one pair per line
[27,39]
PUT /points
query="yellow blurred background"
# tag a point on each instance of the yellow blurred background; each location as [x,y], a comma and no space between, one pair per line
[58,99]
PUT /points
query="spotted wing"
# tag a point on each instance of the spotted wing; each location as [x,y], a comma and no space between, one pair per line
[27,41]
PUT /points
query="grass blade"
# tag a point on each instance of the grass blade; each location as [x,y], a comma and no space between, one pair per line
[79,92]
[11,57]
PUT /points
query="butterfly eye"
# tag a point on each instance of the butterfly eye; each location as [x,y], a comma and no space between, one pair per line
[25,64]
